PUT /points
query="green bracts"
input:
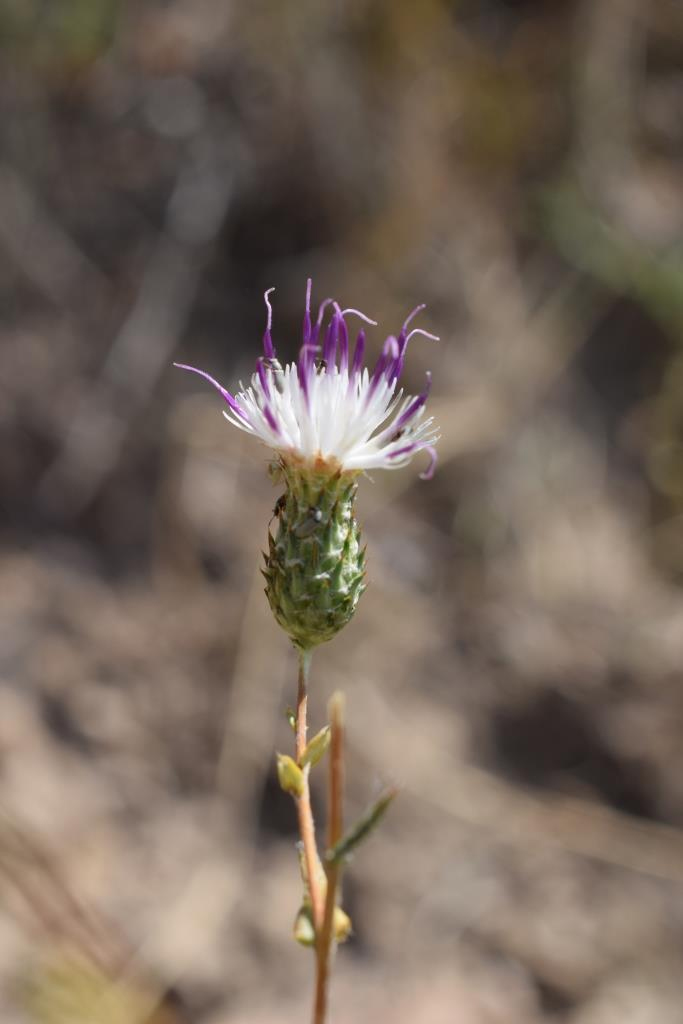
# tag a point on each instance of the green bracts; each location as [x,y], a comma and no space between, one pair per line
[315,567]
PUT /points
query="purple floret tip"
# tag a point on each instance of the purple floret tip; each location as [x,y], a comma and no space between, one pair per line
[267,339]
[321,310]
[429,471]
[404,337]
[387,360]
[425,334]
[343,345]
[411,316]
[232,402]
[357,312]
[263,376]
[330,344]
[358,353]
[415,405]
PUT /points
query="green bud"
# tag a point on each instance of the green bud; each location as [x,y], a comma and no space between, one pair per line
[290,776]
[315,565]
[341,924]
[291,718]
[316,747]
[304,932]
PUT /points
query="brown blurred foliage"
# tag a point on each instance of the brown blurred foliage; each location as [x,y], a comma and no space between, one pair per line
[515,666]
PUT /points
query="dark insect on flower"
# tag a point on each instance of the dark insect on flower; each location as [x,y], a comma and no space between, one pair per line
[310,523]
[279,507]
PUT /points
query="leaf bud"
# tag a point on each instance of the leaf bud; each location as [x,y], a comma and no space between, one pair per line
[304,932]
[341,924]
[316,747]
[290,776]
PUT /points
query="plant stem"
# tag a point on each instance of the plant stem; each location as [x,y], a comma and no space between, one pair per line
[303,803]
[325,939]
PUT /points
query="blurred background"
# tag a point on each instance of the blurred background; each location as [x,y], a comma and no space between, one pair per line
[515,665]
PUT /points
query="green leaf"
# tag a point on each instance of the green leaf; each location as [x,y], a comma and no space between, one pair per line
[316,747]
[362,828]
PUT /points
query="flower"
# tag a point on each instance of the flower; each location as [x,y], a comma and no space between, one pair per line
[327,410]
[328,419]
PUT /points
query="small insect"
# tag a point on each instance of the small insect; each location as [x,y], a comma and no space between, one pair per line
[309,524]
[278,508]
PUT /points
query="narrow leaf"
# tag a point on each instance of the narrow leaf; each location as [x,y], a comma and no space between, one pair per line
[316,747]
[362,828]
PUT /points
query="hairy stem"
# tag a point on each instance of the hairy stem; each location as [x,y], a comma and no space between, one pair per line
[303,803]
[325,937]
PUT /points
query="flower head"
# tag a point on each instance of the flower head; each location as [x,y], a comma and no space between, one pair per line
[328,410]
[328,419]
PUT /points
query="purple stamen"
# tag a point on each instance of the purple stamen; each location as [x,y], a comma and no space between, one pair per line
[330,345]
[414,406]
[429,471]
[411,316]
[343,346]
[385,364]
[393,357]
[394,430]
[390,427]
[302,378]
[305,367]
[267,339]
[403,451]
[307,355]
[425,334]
[360,342]
[263,377]
[416,446]
[321,311]
[317,325]
[403,339]
[270,419]
[232,402]
[358,353]
[357,312]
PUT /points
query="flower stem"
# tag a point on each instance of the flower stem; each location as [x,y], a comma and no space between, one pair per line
[305,812]
[325,939]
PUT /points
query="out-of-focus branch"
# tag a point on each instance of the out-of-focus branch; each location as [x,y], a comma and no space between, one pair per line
[634,190]
[41,248]
[144,345]
[608,61]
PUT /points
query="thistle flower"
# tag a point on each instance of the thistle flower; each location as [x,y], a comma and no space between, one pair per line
[328,419]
